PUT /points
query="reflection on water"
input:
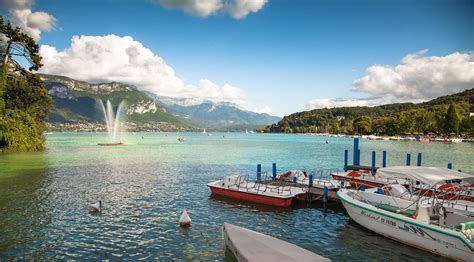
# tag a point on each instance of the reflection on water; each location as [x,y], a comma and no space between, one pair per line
[145,186]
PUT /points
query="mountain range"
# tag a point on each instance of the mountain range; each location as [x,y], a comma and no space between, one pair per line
[79,101]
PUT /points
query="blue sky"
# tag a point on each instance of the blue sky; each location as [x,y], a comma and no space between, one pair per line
[286,53]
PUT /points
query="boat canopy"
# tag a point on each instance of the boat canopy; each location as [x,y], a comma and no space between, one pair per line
[428,175]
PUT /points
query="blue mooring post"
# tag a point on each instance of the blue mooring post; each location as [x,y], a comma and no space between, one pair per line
[384,159]
[373,162]
[450,165]
[418,161]
[325,194]
[259,172]
[346,158]
[274,174]
[310,180]
[356,159]
[408,159]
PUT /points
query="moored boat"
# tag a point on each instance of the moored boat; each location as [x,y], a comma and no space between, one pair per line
[248,245]
[111,144]
[432,224]
[361,176]
[238,187]
[318,188]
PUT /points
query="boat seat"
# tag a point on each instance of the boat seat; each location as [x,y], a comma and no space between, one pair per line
[467,229]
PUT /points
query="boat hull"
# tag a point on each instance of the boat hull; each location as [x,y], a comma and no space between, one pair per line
[247,245]
[408,231]
[251,197]
[111,144]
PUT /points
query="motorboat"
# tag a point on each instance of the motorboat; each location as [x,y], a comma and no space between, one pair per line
[360,176]
[441,226]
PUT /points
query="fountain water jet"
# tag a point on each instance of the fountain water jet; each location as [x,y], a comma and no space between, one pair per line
[112,121]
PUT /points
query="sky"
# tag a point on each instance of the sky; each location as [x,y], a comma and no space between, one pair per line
[273,56]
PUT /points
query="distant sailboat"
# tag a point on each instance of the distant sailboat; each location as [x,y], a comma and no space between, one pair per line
[246,131]
[204,131]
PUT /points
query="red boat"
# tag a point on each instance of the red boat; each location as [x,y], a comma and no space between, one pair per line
[359,176]
[238,187]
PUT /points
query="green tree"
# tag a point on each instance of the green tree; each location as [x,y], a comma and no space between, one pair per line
[334,128]
[381,125]
[452,120]
[362,125]
[24,101]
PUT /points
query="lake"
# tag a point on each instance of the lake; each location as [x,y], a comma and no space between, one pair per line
[146,184]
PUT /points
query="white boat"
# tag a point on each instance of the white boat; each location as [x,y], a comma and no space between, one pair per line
[302,178]
[248,245]
[431,224]
[246,131]
[204,131]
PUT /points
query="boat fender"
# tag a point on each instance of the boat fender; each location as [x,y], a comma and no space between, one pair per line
[185,220]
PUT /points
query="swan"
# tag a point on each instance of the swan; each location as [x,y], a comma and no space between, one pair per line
[96,207]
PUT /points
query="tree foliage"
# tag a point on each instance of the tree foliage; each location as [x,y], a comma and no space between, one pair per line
[24,101]
[452,120]
[444,115]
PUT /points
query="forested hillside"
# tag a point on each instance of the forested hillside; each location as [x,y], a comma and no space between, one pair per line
[444,115]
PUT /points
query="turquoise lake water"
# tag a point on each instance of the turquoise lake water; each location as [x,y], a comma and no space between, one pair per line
[146,184]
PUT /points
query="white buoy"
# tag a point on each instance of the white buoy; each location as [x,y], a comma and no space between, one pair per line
[96,207]
[185,220]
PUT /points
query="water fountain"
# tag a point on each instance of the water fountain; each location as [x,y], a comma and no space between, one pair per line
[112,122]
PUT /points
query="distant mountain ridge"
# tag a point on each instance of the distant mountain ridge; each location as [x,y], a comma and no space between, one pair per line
[215,114]
[76,100]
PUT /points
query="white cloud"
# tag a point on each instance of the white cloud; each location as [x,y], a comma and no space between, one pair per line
[201,8]
[265,109]
[16,4]
[416,79]
[334,102]
[241,8]
[204,8]
[122,59]
[33,23]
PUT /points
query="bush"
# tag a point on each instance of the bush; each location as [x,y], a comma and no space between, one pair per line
[20,132]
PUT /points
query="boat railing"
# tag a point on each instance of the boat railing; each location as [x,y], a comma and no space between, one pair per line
[450,199]
[267,184]
[237,182]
